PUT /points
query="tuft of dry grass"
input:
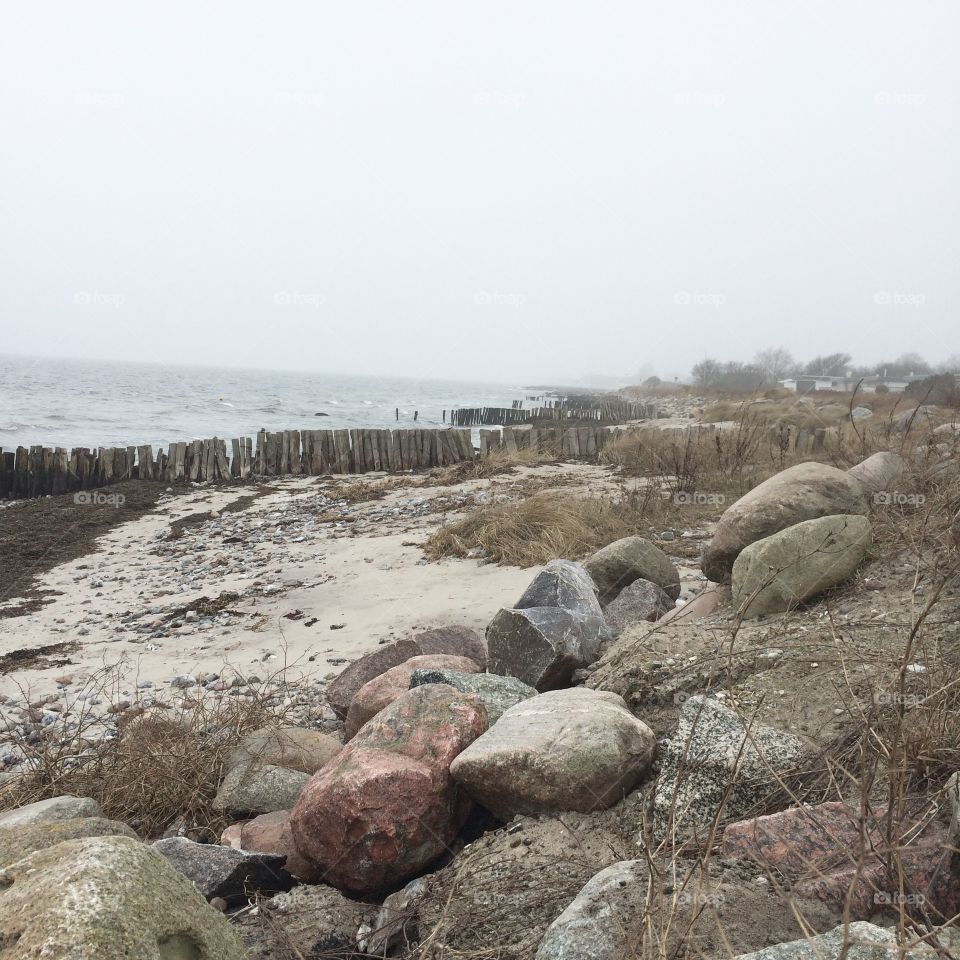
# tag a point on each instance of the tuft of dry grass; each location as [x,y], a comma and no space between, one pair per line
[542,527]
[163,764]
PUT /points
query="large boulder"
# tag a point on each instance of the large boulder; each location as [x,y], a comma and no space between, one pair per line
[108,898]
[643,600]
[19,842]
[216,871]
[271,833]
[855,941]
[618,564]
[820,848]
[454,640]
[386,806]
[343,688]
[714,763]
[295,748]
[311,922]
[915,418]
[604,922]
[880,472]
[775,574]
[563,584]
[541,646]
[802,492]
[573,749]
[555,628]
[251,788]
[496,693]
[64,807]
[372,697]
[704,604]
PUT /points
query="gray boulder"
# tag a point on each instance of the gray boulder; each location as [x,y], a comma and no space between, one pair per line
[880,472]
[915,418]
[775,574]
[605,920]
[573,749]
[563,584]
[259,788]
[711,758]
[555,628]
[296,748]
[496,693]
[618,564]
[861,413]
[541,646]
[19,842]
[396,921]
[218,871]
[108,898]
[805,491]
[50,811]
[641,601]
[866,942]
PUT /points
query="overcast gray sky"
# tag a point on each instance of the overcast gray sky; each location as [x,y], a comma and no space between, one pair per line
[506,190]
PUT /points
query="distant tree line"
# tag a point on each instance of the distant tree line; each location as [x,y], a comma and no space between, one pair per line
[775,364]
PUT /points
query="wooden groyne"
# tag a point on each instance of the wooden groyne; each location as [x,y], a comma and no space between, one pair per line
[38,471]
[577,409]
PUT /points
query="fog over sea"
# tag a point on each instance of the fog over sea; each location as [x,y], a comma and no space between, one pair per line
[91,403]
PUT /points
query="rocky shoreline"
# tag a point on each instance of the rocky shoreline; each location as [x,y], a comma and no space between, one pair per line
[618,757]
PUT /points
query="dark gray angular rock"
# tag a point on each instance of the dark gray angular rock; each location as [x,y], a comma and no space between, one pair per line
[643,600]
[497,694]
[618,564]
[218,871]
[541,646]
[564,584]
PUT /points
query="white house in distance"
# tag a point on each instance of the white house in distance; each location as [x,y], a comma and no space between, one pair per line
[808,383]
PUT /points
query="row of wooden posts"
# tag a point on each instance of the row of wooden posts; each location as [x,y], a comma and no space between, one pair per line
[38,470]
[599,411]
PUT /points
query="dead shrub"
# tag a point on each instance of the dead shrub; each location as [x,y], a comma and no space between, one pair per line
[542,527]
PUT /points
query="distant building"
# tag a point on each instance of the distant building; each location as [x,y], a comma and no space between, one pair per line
[847,384]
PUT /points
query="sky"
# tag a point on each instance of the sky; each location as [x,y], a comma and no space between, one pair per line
[500,190]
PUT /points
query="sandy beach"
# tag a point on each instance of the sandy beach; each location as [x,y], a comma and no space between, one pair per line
[299,578]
